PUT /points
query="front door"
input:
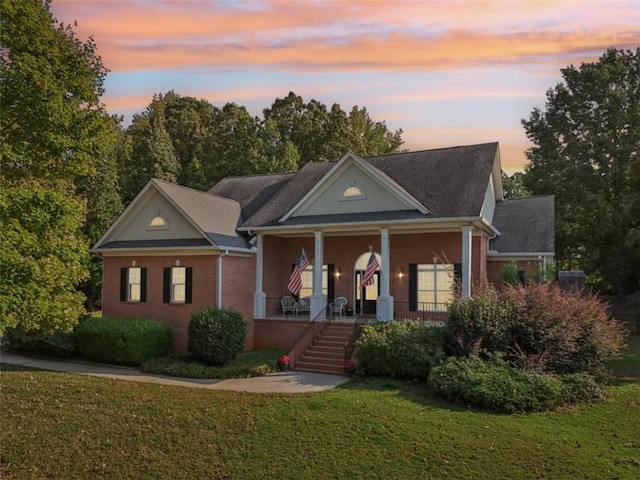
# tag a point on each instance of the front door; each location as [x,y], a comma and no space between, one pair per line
[366,297]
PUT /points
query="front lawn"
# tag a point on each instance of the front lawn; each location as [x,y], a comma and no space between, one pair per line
[65,426]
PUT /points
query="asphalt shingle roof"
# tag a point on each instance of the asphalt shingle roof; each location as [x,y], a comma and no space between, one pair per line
[525,224]
[450,182]
[217,216]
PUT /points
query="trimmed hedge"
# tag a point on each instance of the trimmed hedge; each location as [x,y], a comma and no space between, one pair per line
[399,349]
[123,341]
[56,344]
[496,385]
[216,335]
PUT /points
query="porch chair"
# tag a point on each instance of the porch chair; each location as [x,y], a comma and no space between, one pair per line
[337,307]
[304,305]
[288,305]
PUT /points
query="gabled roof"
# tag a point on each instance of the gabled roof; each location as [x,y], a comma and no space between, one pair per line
[449,182]
[526,225]
[378,176]
[215,218]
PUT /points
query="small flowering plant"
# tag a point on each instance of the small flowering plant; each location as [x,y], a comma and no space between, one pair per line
[284,359]
[349,366]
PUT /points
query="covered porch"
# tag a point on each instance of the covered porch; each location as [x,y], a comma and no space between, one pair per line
[415,276]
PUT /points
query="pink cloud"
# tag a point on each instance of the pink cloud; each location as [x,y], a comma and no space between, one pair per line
[335,35]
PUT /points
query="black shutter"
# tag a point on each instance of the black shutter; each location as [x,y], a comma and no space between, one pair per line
[521,277]
[143,285]
[457,273]
[123,284]
[188,285]
[413,287]
[166,286]
[331,282]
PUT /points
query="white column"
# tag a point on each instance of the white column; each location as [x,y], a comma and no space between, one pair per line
[318,302]
[467,236]
[259,298]
[384,304]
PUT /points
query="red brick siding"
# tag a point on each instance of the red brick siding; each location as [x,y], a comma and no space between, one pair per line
[494,269]
[204,291]
[281,253]
[277,333]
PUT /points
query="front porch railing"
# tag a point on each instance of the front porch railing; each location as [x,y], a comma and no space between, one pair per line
[424,311]
[437,313]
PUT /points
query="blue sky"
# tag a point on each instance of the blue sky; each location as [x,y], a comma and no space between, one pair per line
[447,72]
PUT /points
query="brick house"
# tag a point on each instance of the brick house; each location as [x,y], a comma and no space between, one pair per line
[433,219]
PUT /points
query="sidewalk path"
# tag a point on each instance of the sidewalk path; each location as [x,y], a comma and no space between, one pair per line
[282,382]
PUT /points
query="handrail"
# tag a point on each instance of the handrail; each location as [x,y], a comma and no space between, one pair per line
[309,335]
[349,345]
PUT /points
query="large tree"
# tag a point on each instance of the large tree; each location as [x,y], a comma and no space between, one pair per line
[53,133]
[321,134]
[586,152]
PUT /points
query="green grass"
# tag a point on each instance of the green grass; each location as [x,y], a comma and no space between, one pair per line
[65,426]
[248,364]
[628,364]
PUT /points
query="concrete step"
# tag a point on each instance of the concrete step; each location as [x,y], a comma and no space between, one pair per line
[306,359]
[320,368]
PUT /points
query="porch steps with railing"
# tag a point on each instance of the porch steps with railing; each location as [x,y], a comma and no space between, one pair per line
[326,354]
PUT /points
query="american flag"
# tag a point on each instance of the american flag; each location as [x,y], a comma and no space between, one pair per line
[295,281]
[372,266]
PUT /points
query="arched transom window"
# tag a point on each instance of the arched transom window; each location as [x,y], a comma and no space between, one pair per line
[353,192]
[158,222]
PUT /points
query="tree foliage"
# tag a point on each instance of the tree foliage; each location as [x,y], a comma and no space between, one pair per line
[56,146]
[322,134]
[42,258]
[585,152]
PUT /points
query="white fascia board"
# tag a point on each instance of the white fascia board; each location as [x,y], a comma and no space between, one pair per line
[125,213]
[449,222]
[497,177]
[156,251]
[503,255]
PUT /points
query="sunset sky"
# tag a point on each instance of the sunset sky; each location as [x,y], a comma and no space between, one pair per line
[447,72]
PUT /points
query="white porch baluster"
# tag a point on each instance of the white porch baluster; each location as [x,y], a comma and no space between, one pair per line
[384,304]
[317,298]
[467,241]
[259,298]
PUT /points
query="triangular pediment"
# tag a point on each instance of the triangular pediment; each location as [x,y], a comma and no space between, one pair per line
[354,186]
[151,216]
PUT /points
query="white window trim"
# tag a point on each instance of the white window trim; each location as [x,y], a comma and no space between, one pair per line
[163,218]
[131,284]
[434,268]
[348,198]
[175,284]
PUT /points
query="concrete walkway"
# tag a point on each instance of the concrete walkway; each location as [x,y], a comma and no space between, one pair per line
[282,382]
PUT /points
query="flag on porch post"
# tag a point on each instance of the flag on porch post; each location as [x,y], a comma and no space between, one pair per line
[372,266]
[295,281]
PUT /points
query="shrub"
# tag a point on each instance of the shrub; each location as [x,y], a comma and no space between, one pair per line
[56,344]
[399,349]
[538,326]
[123,341]
[481,322]
[216,336]
[496,385]
[562,331]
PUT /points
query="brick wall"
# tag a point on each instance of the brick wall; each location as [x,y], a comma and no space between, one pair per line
[204,290]
[277,333]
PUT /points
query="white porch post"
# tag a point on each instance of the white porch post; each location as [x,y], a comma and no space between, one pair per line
[384,304]
[317,298]
[259,298]
[467,236]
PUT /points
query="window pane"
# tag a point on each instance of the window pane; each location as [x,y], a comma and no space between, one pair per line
[178,275]
[134,275]
[134,292]
[179,293]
